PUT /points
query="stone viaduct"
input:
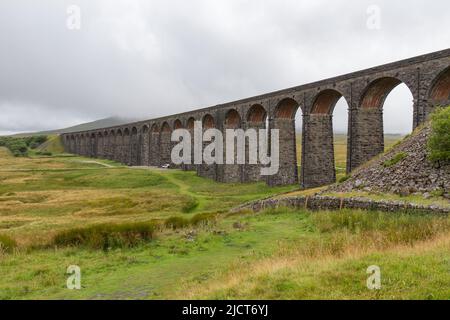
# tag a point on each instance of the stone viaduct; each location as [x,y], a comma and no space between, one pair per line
[149,142]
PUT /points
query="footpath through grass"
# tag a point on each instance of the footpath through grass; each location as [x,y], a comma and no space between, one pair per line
[280,254]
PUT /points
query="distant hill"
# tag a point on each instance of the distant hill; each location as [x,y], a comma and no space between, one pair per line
[102,123]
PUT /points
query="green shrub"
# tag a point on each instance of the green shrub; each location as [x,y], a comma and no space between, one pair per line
[394,160]
[19,146]
[7,244]
[107,236]
[439,141]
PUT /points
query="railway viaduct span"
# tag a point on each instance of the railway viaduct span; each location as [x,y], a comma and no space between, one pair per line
[148,142]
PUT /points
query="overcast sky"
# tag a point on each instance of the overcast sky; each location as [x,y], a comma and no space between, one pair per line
[151,58]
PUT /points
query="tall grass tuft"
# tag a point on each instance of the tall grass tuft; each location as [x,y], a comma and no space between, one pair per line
[176,223]
[380,229]
[7,244]
[107,236]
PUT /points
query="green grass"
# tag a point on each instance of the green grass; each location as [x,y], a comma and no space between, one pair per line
[395,159]
[160,234]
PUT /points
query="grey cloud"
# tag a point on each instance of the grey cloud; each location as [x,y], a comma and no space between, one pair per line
[150,58]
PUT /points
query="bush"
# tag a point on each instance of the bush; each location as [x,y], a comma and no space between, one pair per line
[439,141]
[107,236]
[7,244]
[19,146]
[394,160]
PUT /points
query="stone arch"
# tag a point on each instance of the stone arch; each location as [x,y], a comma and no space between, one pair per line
[92,145]
[256,118]
[144,145]
[126,146]
[177,124]
[325,101]
[165,144]
[367,126]
[286,108]
[190,123]
[165,127]
[100,142]
[207,170]
[232,119]
[190,127]
[118,155]
[82,145]
[377,91]
[318,158]
[154,137]
[439,93]
[256,113]
[284,120]
[208,122]
[134,147]
[72,145]
[228,172]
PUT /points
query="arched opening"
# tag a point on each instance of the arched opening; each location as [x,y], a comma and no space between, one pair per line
[326,141]
[190,127]
[99,150]
[72,146]
[119,146]
[111,145]
[385,114]
[285,114]
[134,147]
[92,146]
[126,147]
[230,172]
[154,145]
[165,144]
[256,119]
[208,122]
[440,91]
[144,143]
[190,123]
[177,124]
[82,145]
[256,114]
[207,170]
[232,119]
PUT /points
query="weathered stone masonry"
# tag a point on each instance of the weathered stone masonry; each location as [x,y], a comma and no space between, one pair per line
[148,142]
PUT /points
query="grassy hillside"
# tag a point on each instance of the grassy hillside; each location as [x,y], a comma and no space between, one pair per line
[53,145]
[97,124]
[280,254]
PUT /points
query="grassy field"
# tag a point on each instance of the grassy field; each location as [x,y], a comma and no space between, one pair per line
[280,254]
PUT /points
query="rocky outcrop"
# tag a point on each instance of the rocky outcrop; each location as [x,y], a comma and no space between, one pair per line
[403,170]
